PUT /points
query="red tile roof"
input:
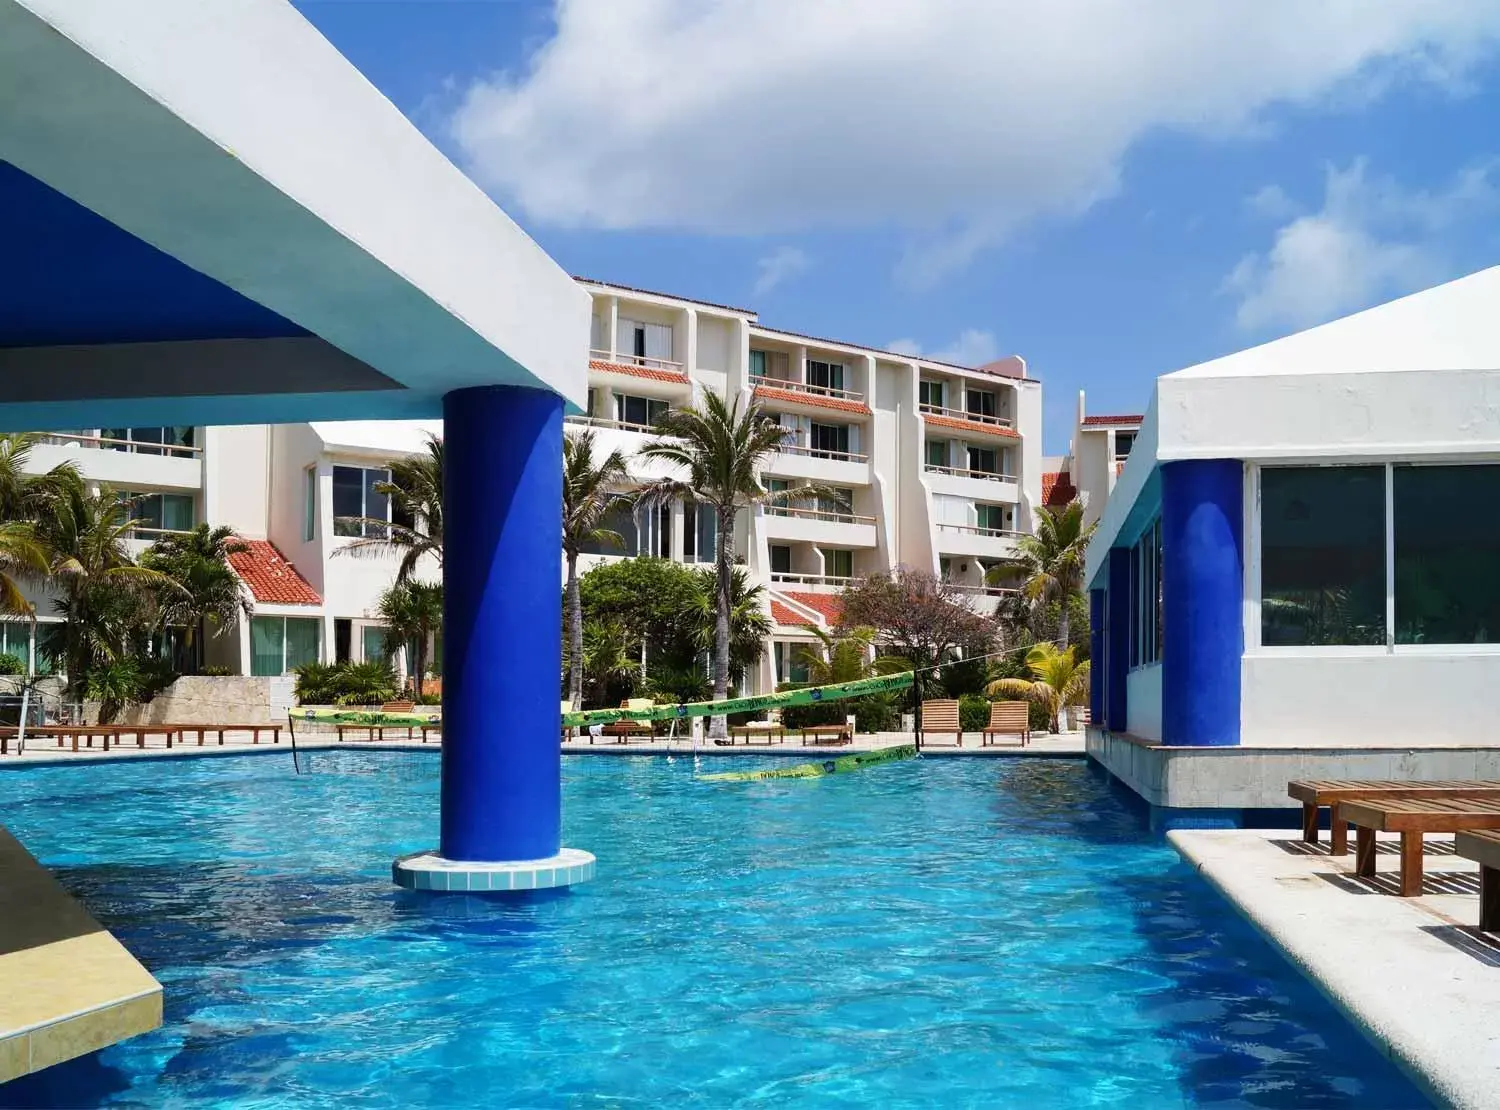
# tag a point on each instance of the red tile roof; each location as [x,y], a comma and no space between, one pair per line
[784,614]
[1092,421]
[969,425]
[638,371]
[771,393]
[270,577]
[1057,489]
[828,606]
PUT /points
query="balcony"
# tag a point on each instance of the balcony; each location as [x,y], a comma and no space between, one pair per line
[787,578]
[978,485]
[845,468]
[638,366]
[829,529]
[977,542]
[807,388]
[125,463]
[970,423]
[612,425]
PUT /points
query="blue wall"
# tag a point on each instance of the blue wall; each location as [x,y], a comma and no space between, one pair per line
[1117,640]
[1098,664]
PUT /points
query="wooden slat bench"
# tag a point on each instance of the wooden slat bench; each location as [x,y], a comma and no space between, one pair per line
[184,731]
[1413,818]
[1483,847]
[1315,794]
[941,716]
[768,729]
[827,734]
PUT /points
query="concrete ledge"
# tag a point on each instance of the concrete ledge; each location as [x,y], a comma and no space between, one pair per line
[1423,988]
[430,871]
[67,986]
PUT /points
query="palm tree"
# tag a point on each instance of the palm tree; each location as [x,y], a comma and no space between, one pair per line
[412,612]
[844,656]
[22,556]
[415,529]
[748,623]
[25,496]
[722,451]
[209,591]
[1058,679]
[1051,562]
[589,494]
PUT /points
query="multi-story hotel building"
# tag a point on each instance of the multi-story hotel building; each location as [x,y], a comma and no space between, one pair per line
[940,468]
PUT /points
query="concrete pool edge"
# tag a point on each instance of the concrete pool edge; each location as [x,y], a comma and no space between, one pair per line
[1403,1007]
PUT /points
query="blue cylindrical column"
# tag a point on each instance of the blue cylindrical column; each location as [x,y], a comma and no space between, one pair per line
[1096,656]
[1117,639]
[1203,592]
[502,624]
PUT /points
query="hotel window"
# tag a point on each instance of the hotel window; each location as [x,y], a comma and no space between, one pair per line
[980,402]
[840,505]
[358,506]
[829,440]
[645,342]
[937,452]
[15,640]
[930,393]
[641,411]
[655,527]
[374,644]
[1145,599]
[161,512]
[621,521]
[757,364]
[1447,545]
[279,645]
[790,664]
[778,485]
[309,504]
[1124,441]
[781,559]
[945,569]
[838,564]
[825,375]
[989,518]
[139,439]
[1322,555]
[983,461]
[699,533]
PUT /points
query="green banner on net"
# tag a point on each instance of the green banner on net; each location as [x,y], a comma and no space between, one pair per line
[842,765]
[811,695]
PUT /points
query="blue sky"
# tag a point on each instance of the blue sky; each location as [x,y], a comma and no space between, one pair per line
[1110,189]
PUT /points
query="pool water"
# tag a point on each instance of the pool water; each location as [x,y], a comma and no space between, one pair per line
[995,933]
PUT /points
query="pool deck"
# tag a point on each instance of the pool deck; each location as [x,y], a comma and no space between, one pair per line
[1414,974]
[67,986]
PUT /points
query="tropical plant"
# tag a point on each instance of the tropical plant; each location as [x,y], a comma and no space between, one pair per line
[415,530]
[11,664]
[1051,562]
[317,683]
[844,655]
[412,613]
[590,492]
[345,683]
[1058,680]
[720,451]
[748,623]
[22,557]
[649,605]
[209,596]
[25,496]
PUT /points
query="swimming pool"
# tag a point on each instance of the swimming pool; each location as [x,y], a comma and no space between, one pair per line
[941,933]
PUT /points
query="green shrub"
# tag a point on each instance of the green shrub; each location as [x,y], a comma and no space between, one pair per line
[973,712]
[876,713]
[818,713]
[964,678]
[315,683]
[11,664]
[216,671]
[345,683]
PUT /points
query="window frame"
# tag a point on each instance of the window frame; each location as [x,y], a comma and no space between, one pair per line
[366,531]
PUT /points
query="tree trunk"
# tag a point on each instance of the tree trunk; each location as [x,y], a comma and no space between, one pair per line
[1062,622]
[575,634]
[419,661]
[723,560]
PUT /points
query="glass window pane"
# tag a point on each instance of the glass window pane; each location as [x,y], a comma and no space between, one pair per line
[177,512]
[301,641]
[309,503]
[377,504]
[937,452]
[757,364]
[1323,555]
[374,643]
[348,499]
[1447,551]
[266,642]
[146,511]
[982,459]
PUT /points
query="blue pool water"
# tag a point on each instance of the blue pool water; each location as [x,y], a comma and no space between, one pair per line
[999,933]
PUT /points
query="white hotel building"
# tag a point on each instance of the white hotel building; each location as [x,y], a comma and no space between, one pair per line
[942,466]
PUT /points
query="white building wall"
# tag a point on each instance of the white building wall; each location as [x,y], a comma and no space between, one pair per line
[1143,711]
[236,478]
[1028,421]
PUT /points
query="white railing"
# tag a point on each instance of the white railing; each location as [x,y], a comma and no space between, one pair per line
[131,446]
[964,414]
[833,516]
[988,591]
[961,472]
[976,530]
[790,579]
[617,425]
[805,387]
[646,361]
[145,532]
[821,453]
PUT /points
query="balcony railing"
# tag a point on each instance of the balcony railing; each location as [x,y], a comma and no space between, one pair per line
[145,532]
[988,591]
[831,516]
[822,453]
[646,361]
[806,387]
[961,472]
[790,579]
[976,530]
[964,414]
[617,425]
[130,446]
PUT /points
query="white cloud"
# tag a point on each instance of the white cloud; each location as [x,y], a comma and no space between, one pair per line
[1371,240]
[954,122]
[1271,202]
[778,266]
[973,347]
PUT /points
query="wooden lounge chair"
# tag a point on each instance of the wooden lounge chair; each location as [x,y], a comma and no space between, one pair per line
[401,707]
[1008,718]
[1413,818]
[827,734]
[622,731]
[1483,848]
[1315,794]
[769,728]
[940,717]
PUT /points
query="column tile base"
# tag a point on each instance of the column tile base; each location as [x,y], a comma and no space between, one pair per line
[430,871]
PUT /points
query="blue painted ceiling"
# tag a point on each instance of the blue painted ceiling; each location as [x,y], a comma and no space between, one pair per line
[69,276]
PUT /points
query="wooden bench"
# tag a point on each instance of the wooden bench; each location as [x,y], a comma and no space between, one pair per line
[1413,818]
[1483,848]
[834,734]
[768,729]
[374,732]
[1315,794]
[1008,718]
[184,731]
[940,716]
